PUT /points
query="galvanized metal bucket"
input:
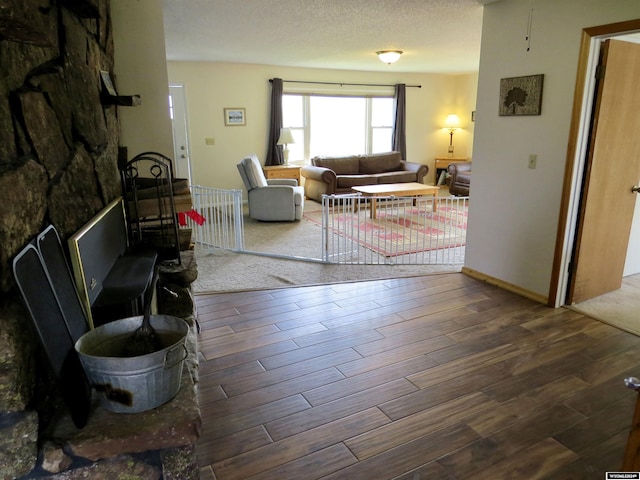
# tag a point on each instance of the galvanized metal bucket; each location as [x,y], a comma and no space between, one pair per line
[134,384]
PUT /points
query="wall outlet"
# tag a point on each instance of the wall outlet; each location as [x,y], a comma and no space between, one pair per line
[209,141]
[533,159]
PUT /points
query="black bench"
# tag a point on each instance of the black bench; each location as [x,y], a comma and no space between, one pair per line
[111,278]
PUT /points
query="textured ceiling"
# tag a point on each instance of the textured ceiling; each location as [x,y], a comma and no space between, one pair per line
[435,35]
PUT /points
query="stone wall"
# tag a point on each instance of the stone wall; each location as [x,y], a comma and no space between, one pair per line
[58,165]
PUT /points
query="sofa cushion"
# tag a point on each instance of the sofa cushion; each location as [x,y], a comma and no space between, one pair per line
[348,181]
[348,165]
[380,162]
[396,177]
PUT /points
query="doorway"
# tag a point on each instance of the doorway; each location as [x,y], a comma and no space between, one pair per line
[611,165]
[578,151]
[618,308]
[177,108]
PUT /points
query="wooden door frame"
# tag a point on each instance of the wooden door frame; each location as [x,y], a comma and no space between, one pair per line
[582,106]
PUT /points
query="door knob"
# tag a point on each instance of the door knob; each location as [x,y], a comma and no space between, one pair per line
[635,189]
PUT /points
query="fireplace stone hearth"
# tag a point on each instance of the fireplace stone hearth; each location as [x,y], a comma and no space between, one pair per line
[59,165]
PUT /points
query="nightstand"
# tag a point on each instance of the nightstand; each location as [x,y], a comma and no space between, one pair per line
[282,171]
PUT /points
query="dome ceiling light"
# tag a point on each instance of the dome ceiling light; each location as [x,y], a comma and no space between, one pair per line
[389,56]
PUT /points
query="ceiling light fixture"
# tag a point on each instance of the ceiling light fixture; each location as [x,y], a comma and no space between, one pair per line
[389,56]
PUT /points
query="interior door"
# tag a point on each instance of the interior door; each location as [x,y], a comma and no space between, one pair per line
[612,169]
[180,132]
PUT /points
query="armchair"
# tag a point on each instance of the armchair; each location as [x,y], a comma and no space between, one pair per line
[274,200]
[460,179]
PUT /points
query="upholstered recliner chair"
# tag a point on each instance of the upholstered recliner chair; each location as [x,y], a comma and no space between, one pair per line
[274,200]
[460,179]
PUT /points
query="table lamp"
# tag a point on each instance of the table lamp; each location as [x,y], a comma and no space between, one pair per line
[452,123]
[286,137]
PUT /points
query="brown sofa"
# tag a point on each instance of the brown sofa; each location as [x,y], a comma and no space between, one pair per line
[460,178]
[336,175]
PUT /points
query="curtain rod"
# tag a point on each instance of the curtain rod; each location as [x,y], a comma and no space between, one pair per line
[344,83]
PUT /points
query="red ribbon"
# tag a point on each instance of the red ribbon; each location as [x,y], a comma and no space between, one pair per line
[193,215]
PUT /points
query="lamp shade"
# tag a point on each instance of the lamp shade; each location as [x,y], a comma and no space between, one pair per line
[286,137]
[389,56]
[452,121]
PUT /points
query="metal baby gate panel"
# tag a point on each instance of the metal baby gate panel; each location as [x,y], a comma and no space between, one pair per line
[401,230]
[219,222]
[404,230]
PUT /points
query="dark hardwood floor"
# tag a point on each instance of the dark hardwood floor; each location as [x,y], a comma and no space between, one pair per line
[436,377]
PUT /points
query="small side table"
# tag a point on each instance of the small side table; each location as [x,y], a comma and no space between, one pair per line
[442,164]
[283,171]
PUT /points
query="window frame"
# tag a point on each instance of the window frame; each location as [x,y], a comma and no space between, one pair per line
[306,120]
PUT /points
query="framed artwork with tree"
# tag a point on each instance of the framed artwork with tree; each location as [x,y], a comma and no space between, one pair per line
[521,95]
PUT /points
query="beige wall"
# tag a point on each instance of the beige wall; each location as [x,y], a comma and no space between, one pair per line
[140,68]
[514,210]
[210,87]
[466,91]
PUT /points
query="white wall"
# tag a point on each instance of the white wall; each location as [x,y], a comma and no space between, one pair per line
[140,68]
[210,87]
[514,210]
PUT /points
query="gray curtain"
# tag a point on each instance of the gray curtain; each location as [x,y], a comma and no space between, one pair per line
[399,136]
[274,153]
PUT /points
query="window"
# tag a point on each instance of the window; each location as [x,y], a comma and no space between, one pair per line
[325,125]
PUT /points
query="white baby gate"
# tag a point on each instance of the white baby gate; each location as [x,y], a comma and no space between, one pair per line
[222,224]
[405,230]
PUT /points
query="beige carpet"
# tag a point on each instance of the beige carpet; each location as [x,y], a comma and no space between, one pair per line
[620,308]
[224,271]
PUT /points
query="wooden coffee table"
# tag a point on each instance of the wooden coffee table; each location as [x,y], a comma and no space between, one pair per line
[397,190]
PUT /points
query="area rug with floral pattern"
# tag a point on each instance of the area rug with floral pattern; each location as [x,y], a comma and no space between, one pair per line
[400,228]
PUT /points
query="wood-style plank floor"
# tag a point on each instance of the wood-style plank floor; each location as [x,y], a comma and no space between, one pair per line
[435,377]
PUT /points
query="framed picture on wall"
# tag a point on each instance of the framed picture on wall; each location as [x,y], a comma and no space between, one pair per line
[521,95]
[234,117]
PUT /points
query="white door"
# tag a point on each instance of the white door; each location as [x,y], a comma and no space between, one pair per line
[178,109]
